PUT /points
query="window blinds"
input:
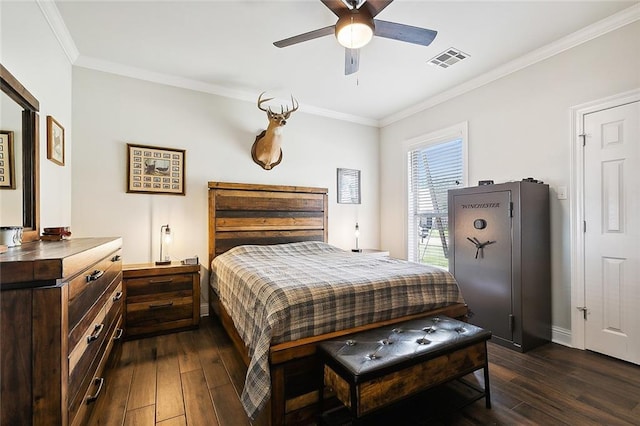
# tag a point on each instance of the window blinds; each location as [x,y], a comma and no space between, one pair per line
[433,170]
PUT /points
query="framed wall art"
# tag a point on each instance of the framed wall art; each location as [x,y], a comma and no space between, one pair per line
[55,141]
[7,168]
[348,186]
[155,170]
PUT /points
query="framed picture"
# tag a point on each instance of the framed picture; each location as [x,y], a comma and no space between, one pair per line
[155,170]
[7,170]
[55,141]
[348,186]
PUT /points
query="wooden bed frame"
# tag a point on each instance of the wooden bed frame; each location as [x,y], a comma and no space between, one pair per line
[268,214]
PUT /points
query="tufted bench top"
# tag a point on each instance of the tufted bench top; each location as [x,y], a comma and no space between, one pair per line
[374,353]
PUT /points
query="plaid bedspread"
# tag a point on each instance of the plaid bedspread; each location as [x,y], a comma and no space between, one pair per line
[286,292]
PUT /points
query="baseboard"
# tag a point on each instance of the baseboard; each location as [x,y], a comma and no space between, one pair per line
[561,336]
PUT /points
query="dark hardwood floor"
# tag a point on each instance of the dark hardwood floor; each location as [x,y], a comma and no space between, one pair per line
[194,378]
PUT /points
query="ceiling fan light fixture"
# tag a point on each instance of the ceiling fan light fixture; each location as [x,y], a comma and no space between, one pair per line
[354,30]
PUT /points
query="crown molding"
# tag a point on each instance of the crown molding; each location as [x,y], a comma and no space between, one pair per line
[185,83]
[59,28]
[611,23]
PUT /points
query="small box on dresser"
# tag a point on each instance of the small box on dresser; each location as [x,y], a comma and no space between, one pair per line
[161,298]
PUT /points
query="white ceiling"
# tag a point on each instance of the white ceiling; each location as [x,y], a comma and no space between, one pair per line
[225,47]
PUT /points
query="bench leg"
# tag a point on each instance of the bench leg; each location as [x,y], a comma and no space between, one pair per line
[487,387]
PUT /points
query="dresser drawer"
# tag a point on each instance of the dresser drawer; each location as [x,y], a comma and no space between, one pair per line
[88,341]
[81,404]
[86,288]
[113,294]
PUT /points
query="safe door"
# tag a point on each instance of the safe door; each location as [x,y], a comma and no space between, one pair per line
[482,258]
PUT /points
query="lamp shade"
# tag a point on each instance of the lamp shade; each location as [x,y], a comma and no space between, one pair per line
[165,244]
[354,30]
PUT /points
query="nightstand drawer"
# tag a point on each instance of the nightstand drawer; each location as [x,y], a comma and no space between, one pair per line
[159,310]
[143,289]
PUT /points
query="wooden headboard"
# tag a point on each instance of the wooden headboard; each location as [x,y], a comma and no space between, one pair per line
[241,213]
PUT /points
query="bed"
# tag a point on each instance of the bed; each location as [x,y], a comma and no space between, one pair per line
[258,228]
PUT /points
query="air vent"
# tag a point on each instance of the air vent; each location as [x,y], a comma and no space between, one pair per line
[448,58]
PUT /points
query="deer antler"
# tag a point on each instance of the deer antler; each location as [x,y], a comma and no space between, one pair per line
[294,105]
[261,101]
[286,112]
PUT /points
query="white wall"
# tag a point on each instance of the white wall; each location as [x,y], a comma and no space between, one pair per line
[110,111]
[519,126]
[30,51]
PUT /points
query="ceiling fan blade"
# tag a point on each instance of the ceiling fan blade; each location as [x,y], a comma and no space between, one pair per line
[402,32]
[351,61]
[336,6]
[375,6]
[306,36]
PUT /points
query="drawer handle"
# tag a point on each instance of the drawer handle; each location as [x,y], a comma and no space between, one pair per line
[116,258]
[162,305]
[119,334]
[96,333]
[100,382]
[95,275]
[165,281]
[118,296]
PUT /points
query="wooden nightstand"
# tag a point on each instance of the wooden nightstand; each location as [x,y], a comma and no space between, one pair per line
[160,298]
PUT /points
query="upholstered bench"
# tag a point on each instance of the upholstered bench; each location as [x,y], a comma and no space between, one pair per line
[376,368]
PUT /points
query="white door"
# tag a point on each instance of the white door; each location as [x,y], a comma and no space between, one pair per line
[612,238]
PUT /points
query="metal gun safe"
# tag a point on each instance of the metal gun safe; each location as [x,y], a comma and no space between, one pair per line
[499,240]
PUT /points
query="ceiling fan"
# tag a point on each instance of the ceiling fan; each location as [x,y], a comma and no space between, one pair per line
[356,26]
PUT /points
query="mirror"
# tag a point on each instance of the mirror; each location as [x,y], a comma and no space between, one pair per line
[20,107]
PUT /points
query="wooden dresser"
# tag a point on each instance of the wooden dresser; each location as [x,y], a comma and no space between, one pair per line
[61,317]
[161,298]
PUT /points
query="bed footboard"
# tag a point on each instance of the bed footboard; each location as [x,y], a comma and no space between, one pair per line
[296,370]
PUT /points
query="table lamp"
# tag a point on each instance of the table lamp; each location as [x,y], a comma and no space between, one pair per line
[165,243]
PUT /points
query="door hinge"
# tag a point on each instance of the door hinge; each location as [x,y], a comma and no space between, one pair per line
[511,209]
[584,138]
[584,226]
[512,323]
[583,309]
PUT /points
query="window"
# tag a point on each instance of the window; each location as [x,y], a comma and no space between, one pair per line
[434,166]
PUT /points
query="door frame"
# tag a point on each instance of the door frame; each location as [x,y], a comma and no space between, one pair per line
[577,212]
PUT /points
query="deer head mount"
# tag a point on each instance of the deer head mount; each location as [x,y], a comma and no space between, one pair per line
[266,150]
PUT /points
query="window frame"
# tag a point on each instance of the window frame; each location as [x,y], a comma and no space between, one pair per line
[456,131]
